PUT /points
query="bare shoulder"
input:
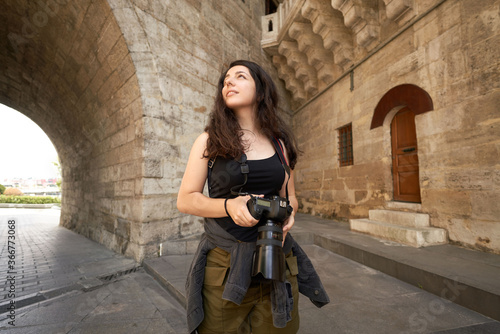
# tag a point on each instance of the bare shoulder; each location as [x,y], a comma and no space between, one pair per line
[201,142]
[202,137]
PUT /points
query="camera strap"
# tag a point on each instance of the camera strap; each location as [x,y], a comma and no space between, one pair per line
[244,170]
[238,190]
[281,153]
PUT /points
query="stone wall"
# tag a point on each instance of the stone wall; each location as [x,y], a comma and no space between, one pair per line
[122,88]
[452,53]
[68,68]
[179,49]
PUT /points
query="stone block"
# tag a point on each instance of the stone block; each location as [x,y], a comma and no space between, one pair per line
[447,202]
[108,37]
[123,228]
[160,186]
[159,207]
[127,208]
[482,55]
[174,247]
[482,20]
[360,195]
[401,218]
[416,237]
[156,232]
[479,234]
[125,188]
[133,31]
[485,205]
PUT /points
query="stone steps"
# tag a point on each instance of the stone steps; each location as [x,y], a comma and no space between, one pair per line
[400,218]
[407,228]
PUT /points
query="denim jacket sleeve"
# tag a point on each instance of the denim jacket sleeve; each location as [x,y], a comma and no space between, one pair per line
[309,282]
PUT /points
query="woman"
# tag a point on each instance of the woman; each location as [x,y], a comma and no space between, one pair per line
[222,296]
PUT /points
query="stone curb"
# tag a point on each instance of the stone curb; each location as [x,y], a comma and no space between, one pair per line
[165,283]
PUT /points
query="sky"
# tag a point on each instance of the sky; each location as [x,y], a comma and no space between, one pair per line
[25,150]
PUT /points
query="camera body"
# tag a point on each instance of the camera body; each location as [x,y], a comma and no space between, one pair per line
[269,259]
[274,208]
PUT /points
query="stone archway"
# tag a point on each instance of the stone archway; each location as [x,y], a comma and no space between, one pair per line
[122,88]
[411,96]
[66,66]
[409,100]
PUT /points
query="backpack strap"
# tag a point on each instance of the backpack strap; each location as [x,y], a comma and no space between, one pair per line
[244,169]
[281,153]
[211,163]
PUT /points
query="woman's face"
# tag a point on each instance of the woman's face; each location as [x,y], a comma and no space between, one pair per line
[239,88]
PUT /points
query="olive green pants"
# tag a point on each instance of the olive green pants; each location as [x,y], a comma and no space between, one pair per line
[253,315]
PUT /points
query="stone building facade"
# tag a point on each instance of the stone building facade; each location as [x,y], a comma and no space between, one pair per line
[123,87]
[435,62]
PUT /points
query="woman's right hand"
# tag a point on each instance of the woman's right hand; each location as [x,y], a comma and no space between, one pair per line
[238,210]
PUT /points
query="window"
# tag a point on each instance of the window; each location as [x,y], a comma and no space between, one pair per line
[345,146]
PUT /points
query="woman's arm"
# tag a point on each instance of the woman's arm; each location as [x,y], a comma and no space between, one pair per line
[191,199]
[291,197]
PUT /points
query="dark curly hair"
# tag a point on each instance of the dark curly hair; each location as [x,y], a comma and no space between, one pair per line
[224,131]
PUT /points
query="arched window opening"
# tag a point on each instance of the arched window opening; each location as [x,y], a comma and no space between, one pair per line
[271,7]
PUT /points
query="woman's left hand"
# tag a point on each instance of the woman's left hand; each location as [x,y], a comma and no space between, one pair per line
[288,225]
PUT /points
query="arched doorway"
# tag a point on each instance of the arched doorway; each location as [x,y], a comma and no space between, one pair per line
[67,67]
[411,100]
[405,157]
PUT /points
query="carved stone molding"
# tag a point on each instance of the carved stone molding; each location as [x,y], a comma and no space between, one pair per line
[311,45]
[287,74]
[399,10]
[361,16]
[298,61]
[329,24]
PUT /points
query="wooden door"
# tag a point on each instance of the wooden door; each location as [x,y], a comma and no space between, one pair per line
[405,157]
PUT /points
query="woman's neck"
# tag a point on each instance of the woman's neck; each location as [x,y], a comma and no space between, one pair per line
[246,120]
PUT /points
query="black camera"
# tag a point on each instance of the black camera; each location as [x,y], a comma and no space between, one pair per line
[269,259]
[275,208]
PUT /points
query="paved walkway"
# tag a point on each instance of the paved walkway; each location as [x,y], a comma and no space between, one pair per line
[49,258]
[65,284]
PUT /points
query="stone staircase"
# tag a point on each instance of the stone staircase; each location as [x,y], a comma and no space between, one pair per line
[407,228]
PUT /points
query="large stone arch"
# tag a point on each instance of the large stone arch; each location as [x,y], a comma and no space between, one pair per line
[122,88]
[66,66]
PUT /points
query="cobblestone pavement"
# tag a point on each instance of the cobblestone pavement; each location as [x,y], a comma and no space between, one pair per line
[62,282]
[40,256]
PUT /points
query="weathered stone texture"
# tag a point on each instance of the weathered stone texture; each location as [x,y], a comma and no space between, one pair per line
[179,49]
[452,53]
[85,99]
[123,88]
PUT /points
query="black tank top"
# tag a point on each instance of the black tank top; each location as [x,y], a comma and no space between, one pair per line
[265,177]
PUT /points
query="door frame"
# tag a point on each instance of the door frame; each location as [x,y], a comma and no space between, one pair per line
[395,99]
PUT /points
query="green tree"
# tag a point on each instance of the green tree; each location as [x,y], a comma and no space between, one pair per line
[2,189]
